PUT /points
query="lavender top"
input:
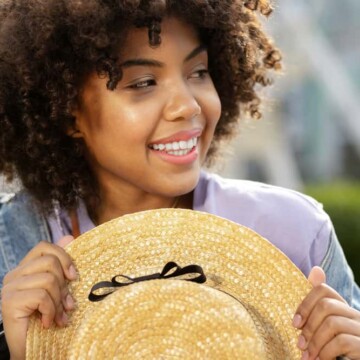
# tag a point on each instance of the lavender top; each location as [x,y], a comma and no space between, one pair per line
[293,222]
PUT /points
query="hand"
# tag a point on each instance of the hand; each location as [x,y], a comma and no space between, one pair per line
[38,284]
[330,327]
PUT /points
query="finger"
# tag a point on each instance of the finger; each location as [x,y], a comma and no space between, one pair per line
[45,248]
[305,308]
[342,345]
[329,329]
[16,312]
[322,312]
[317,276]
[65,241]
[19,306]
[49,282]
[42,264]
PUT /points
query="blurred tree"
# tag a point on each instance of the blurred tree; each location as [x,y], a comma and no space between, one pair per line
[342,202]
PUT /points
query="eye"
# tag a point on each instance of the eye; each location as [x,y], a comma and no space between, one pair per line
[143,84]
[200,74]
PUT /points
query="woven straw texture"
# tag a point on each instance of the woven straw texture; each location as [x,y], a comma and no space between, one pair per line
[170,319]
[237,262]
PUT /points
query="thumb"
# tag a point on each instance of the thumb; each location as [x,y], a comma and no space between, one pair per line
[65,241]
[317,276]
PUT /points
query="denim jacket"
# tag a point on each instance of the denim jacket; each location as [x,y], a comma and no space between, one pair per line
[22,227]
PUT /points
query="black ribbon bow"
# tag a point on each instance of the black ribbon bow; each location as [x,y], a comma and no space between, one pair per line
[170,270]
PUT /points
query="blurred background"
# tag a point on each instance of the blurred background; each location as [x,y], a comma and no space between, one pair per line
[309,137]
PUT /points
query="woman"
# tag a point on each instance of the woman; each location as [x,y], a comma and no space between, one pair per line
[113,107]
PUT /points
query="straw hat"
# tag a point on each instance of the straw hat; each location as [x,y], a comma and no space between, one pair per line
[243,310]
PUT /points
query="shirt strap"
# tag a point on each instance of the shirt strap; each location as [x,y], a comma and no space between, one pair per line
[74,223]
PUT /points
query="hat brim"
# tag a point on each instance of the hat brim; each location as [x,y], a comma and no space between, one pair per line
[235,259]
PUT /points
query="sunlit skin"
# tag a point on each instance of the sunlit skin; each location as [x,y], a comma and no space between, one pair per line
[163,91]
[329,326]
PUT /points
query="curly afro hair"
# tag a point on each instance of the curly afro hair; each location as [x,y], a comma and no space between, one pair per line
[49,47]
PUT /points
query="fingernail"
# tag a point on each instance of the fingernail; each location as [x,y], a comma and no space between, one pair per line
[45,326]
[297,320]
[64,318]
[305,355]
[72,272]
[70,302]
[302,342]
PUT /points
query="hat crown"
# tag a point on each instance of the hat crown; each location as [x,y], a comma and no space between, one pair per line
[167,318]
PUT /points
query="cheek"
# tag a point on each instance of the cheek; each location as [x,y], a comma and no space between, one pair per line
[126,125]
[212,109]
[139,123]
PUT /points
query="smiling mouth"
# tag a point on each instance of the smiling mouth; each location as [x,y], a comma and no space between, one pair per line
[176,148]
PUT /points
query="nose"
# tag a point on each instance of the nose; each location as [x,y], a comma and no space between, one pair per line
[181,104]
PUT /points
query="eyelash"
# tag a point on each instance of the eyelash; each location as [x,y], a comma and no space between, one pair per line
[139,85]
[202,73]
[144,84]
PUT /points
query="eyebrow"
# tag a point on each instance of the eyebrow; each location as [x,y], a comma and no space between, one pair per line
[201,48]
[150,62]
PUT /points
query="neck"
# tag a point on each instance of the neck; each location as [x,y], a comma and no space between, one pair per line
[114,204]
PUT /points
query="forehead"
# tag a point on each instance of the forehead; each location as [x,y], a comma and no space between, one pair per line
[174,34]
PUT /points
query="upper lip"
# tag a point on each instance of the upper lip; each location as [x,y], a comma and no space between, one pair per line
[179,136]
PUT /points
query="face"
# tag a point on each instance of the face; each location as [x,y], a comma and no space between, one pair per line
[151,134]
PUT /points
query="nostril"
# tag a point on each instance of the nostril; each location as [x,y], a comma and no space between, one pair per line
[182,106]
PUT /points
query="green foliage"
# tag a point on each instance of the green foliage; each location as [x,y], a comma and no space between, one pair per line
[342,202]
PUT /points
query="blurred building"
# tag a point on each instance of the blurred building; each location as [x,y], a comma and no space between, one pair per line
[312,132]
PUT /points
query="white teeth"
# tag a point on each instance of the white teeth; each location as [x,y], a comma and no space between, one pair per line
[179,152]
[177,148]
[183,145]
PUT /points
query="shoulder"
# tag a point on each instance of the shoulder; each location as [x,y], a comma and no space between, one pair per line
[19,213]
[12,205]
[251,195]
[294,222]
[17,207]
[11,199]
[22,226]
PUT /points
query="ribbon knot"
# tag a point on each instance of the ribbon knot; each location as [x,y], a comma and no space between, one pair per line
[194,273]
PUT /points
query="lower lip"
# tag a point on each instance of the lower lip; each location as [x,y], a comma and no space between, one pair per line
[178,160]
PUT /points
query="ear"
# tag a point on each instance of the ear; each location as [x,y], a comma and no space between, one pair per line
[73,130]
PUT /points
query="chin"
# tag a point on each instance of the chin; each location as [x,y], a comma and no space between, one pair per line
[187,184]
[180,184]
